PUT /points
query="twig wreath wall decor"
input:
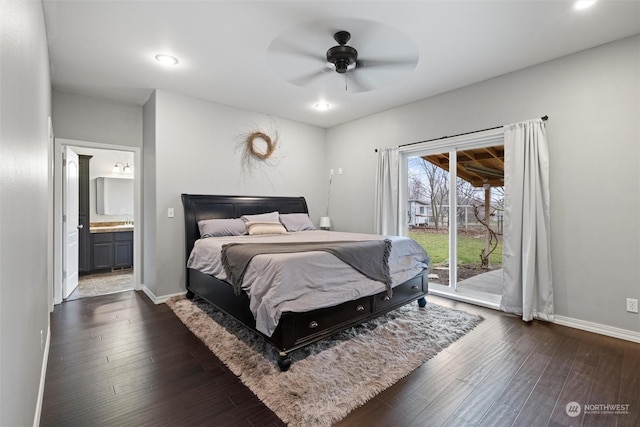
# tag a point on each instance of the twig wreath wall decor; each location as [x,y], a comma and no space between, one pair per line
[258,150]
[262,153]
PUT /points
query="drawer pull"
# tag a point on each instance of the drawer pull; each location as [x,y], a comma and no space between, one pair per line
[414,288]
[360,308]
[386,298]
[313,324]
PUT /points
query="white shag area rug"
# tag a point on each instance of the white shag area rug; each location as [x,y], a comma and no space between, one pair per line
[328,379]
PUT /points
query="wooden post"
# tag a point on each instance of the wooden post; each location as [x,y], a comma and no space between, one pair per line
[487,220]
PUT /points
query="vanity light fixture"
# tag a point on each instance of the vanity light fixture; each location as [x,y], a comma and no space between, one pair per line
[165,59]
[322,106]
[125,168]
[583,4]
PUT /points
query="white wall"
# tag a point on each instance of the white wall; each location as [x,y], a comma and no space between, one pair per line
[84,118]
[593,102]
[24,207]
[195,150]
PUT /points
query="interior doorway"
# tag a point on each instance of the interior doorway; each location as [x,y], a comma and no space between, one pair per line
[108,223]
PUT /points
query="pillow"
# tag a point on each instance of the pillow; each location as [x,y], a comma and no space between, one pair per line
[261,227]
[296,222]
[265,217]
[221,227]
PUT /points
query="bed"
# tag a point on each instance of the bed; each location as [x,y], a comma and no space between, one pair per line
[293,323]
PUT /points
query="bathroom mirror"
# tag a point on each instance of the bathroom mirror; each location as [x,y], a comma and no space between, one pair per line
[114,196]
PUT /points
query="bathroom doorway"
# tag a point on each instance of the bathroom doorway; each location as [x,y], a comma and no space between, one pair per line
[108,215]
[106,257]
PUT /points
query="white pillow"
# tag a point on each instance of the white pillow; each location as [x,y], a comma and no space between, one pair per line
[265,217]
[261,227]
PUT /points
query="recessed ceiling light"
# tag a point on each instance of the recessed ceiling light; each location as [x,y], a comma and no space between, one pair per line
[583,4]
[322,106]
[165,59]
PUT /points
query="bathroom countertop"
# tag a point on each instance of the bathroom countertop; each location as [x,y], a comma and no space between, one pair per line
[110,227]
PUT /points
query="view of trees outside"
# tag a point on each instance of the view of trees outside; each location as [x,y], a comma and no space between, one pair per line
[479,226]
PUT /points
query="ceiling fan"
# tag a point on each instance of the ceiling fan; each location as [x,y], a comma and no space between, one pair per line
[345,60]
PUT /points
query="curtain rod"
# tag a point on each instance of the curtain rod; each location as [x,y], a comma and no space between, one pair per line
[543,118]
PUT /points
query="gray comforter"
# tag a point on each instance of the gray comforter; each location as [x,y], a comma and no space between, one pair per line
[369,257]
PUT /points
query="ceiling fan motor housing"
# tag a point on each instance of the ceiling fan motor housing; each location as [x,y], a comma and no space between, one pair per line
[342,56]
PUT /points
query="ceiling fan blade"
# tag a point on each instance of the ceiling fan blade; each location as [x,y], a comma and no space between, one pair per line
[288,48]
[308,78]
[385,63]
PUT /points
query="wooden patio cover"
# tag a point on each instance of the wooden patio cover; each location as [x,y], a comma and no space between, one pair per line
[478,166]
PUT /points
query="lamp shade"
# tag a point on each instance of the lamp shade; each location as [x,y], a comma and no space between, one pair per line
[325,223]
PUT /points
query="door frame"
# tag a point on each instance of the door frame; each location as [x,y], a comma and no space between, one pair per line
[452,145]
[57,210]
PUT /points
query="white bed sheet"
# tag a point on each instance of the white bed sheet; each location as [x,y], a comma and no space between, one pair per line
[305,281]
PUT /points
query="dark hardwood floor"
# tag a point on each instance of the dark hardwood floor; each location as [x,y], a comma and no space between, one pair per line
[120,360]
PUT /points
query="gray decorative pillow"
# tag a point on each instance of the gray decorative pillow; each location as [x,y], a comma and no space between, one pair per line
[265,217]
[296,222]
[221,227]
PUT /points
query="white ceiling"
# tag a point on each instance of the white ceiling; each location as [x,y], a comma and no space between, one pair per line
[237,52]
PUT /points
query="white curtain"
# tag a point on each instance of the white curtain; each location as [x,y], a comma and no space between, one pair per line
[527,287]
[387,192]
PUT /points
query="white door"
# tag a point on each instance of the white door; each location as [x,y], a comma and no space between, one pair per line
[70,225]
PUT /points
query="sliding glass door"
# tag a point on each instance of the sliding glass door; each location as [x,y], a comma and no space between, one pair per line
[453,202]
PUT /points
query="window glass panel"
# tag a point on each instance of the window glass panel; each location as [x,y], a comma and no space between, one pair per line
[428,199]
[480,198]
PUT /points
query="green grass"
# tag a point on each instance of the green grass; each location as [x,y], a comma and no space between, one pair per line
[469,248]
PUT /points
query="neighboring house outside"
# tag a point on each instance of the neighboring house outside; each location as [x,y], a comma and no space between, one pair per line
[418,212]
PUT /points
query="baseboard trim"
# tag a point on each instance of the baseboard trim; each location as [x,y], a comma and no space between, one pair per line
[43,376]
[161,299]
[598,328]
[149,294]
[584,325]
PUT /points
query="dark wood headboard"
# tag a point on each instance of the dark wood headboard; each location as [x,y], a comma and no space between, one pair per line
[200,206]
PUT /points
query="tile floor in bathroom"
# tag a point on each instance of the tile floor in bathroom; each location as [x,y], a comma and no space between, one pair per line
[101,284]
